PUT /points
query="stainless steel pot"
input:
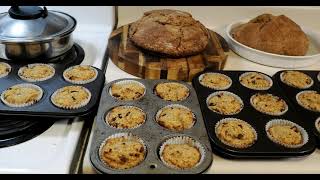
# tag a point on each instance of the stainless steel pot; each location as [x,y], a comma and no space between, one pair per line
[34,33]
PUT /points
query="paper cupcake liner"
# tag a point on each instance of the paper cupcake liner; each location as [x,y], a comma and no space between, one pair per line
[26,85]
[35,80]
[82,104]
[254,88]
[118,135]
[239,120]
[282,80]
[155,92]
[303,132]
[182,140]
[269,113]
[128,82]
[109,111]
[222,88]
[82,81]
[228,93]
[317,124]
[300,103]
[6,73]
[178,106]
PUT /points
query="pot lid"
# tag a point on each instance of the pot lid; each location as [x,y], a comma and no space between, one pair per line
[34,24]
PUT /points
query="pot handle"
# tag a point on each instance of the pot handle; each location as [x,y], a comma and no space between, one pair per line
[28,12]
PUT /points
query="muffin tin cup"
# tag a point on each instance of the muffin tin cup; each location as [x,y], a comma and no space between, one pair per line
[83,81]
[263,148]
[304,134]
[231,119]
[107,115]
[228,93]
[220,89]
[24,85]
[118,135]
[7,72]
[300,103]
[20,71]
[182,140]
[128,82]
[150,132]
[288,84]
[177,106]
[268,113]
[253,88]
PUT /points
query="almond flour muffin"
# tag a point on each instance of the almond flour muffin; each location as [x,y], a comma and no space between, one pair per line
[71,97]
[225,103]
[285,134]
[296,79]
[269,104]
[125,117]
[215,81]
[122,152]
[236,133]
[255,80]
[176,118]
[309,100]
[172,91]
[5,69]
[80,74]
[36,72]
[127,90]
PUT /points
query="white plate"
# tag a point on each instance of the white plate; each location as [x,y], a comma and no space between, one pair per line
[276,60]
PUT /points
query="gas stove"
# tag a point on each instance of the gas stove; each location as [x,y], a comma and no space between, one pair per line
[32,145]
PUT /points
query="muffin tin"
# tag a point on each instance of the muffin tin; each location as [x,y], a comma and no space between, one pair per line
[263,147]
[150,131]
[44,107]
[291,92]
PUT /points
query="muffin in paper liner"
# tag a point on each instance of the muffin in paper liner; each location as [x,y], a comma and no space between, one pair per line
[7,69]
[227,93]
[176,106]
[170,99]
[301,104]
[28,79]
[216,88]
[255,88]
[234,145]
[317,124]
[124,106]
[182,140]
[81,104]
[265,112]
[291,85]
[119,135]
[126,82]
[283,122]
[23,85]
[80,81]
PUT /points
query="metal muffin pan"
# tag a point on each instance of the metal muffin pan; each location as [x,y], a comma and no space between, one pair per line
[44,107]
[263,147]
[150,132]
[308,116]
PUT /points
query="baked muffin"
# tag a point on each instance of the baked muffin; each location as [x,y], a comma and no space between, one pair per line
[169,32]
[309,100]
[21,95]
[296,79]
[5,69]
[122,152]
[36,72]
[127,90]
[172,91]
[273,34]
[71,97]
[175,117]
[255,81]
[215,81]
[269,104]
[236,133]
[125,117]
[223,102]
[80,74]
